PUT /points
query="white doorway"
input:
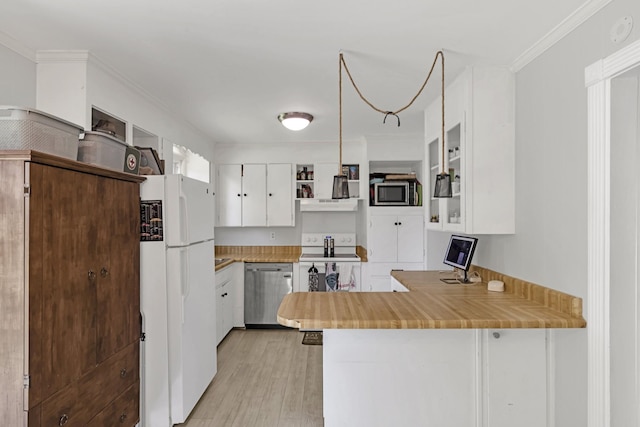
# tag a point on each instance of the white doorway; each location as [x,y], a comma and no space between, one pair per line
[613,320]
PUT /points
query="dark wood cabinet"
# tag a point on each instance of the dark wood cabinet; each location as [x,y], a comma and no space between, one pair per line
[69,294]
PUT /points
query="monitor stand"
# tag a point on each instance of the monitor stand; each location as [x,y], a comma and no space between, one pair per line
[465,279]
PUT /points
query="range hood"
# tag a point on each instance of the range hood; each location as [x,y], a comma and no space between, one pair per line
[327,205]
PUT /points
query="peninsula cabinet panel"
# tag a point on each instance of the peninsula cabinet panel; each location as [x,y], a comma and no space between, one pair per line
[69,290]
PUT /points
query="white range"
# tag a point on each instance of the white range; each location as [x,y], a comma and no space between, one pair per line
[344,261]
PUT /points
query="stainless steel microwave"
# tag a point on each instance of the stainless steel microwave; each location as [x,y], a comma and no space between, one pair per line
[391,193]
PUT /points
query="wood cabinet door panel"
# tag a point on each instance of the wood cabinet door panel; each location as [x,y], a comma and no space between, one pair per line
[124,411]
[254,195]
[68,303]
[117,285]
[81,401]
[36,282]
[229,199]
[383,235]
[410,238]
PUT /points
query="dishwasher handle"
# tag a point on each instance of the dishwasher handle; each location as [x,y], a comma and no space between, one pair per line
[264,269]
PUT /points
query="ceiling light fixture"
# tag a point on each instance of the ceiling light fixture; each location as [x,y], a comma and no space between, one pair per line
[294,120]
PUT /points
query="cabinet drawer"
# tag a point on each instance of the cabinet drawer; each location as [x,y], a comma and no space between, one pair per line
[79,402]
[124,411]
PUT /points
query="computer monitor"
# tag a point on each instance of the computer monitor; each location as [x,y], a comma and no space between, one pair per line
[460,252]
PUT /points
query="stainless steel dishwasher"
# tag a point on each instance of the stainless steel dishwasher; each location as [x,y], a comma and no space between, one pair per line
[265,284]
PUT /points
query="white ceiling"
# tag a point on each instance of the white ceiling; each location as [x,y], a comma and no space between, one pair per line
[231,66]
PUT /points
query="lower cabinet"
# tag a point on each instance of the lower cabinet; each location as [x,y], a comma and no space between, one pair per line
[396,242]
[437,377]
[238,292]
[224,302]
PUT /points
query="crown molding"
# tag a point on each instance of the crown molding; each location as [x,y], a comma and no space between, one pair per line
[43,56]
[570,23]
[19,48]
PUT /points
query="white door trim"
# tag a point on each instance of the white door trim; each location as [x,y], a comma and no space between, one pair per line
[598,82]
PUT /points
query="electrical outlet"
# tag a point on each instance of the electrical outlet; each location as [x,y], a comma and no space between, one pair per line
[273,235]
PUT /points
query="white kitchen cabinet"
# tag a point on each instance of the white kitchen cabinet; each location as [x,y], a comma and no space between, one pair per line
[323,179]
[513,395]
[479,153]
[316,180]
[396,237]
[229,182]
[448,377]
[224,302]
[238,294]
[279,195]
[255,195]
[396,242]
[396,286]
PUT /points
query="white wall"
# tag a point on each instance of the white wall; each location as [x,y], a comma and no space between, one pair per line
[550,244]
[17,79]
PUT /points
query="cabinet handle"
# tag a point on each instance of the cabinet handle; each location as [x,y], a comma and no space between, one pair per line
[63,419]
[123,372]
[238,194]
[496,335]
[92,275]
[399,223]
[395,223]
[245,194]
[225,294]
[270,194]
[104,272]
[122,418]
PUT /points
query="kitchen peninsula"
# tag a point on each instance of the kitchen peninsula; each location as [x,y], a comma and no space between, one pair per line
[427,357]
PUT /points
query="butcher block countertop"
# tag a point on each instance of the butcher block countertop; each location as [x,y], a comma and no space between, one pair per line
[431,304]
[230,254]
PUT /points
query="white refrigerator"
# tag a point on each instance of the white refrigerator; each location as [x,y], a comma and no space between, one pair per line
[177,272]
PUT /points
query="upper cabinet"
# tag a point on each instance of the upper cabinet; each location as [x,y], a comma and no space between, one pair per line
[315,180]
[479,153]
[255,195]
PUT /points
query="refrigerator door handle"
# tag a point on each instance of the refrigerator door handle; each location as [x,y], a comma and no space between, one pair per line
[184,217]
[185,285]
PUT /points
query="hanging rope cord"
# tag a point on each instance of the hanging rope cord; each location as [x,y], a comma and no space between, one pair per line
[342,62]
[388,112]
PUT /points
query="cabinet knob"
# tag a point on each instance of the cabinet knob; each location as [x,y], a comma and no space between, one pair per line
[270,194]
[395,223]
[123,372]
[123,417]
[245,194]
[399,223]
[63,419]
[104,272]
[238,194]
[496,335]
[92,275]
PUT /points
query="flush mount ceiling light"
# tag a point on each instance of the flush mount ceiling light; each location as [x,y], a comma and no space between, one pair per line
[294,120]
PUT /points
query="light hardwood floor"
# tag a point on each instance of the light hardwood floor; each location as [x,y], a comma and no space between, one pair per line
[265,378]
